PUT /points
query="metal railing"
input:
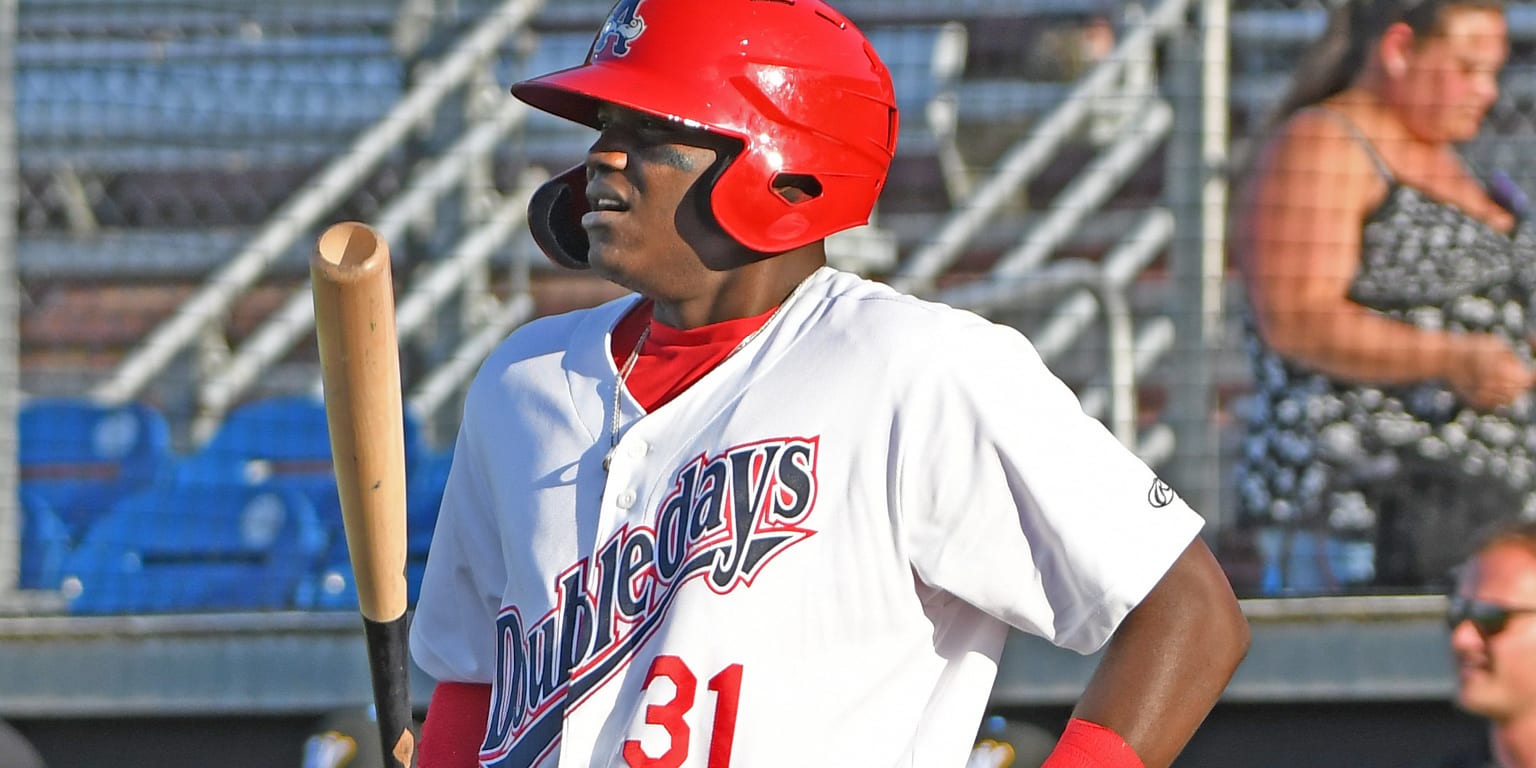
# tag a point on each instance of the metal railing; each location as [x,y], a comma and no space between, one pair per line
[1110,301]
[286,327]
[497,318]
[1190,226]
[1086,292]
[458,68]
[1028,157]
[10,510]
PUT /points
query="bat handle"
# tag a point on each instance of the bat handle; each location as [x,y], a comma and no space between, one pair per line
[386,641]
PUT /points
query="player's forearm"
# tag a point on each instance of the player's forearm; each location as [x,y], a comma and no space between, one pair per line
[1170,659]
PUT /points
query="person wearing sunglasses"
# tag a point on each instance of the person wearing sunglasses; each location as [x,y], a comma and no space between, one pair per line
[1492,618]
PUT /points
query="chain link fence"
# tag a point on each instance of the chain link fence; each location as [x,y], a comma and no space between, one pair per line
[1270,37]
[156,138]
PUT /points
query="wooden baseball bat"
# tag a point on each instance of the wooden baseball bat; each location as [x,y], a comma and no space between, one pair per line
[360,365]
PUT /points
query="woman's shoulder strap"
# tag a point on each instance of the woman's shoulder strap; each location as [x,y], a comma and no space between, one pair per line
[1359,137]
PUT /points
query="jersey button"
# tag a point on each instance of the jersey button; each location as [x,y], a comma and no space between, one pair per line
[638,449]
[625,500]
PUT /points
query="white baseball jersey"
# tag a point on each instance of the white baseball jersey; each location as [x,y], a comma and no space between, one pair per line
[811,557]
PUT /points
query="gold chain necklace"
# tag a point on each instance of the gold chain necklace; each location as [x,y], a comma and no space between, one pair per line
[629,365]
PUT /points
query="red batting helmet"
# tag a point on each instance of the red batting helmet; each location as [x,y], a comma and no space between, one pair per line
[792,80]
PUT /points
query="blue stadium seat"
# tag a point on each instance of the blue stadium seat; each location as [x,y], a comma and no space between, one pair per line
[289,431]
[79,456]
[285,441]
[45,544]
[424,494]
[289,434]
[281,441]
[185,548]
[332,587]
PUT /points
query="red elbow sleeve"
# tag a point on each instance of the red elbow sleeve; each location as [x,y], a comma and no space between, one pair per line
[455,726]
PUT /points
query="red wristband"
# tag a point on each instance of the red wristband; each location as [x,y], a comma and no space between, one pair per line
[1090,745]
[455,726]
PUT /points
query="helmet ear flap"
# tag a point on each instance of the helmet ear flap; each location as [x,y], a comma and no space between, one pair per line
[554,218]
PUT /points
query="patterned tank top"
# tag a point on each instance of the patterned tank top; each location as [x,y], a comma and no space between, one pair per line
[1318,452]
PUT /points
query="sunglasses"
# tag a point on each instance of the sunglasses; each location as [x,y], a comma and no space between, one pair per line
[1488,619]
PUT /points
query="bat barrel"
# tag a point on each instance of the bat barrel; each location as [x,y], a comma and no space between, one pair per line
[360,366]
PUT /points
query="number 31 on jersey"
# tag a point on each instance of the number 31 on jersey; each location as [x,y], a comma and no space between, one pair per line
[670,715]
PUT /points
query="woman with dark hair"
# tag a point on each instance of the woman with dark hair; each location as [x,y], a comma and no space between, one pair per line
[1390,294]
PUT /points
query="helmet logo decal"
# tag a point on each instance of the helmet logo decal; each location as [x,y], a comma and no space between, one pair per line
[624,26]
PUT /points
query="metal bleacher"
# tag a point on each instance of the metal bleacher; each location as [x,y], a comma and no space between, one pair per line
[438,158]
[326,101]
[143,131]
[189,548]
[230,95]
[926,62]
[124,105]
[77,457]
[243,93]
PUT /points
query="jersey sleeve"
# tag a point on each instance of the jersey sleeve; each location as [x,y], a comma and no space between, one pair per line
[1013,499]
[453,629]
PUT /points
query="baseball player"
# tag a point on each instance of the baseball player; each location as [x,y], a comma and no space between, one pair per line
[761,512]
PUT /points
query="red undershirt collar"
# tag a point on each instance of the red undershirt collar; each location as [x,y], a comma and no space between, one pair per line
[673,359]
